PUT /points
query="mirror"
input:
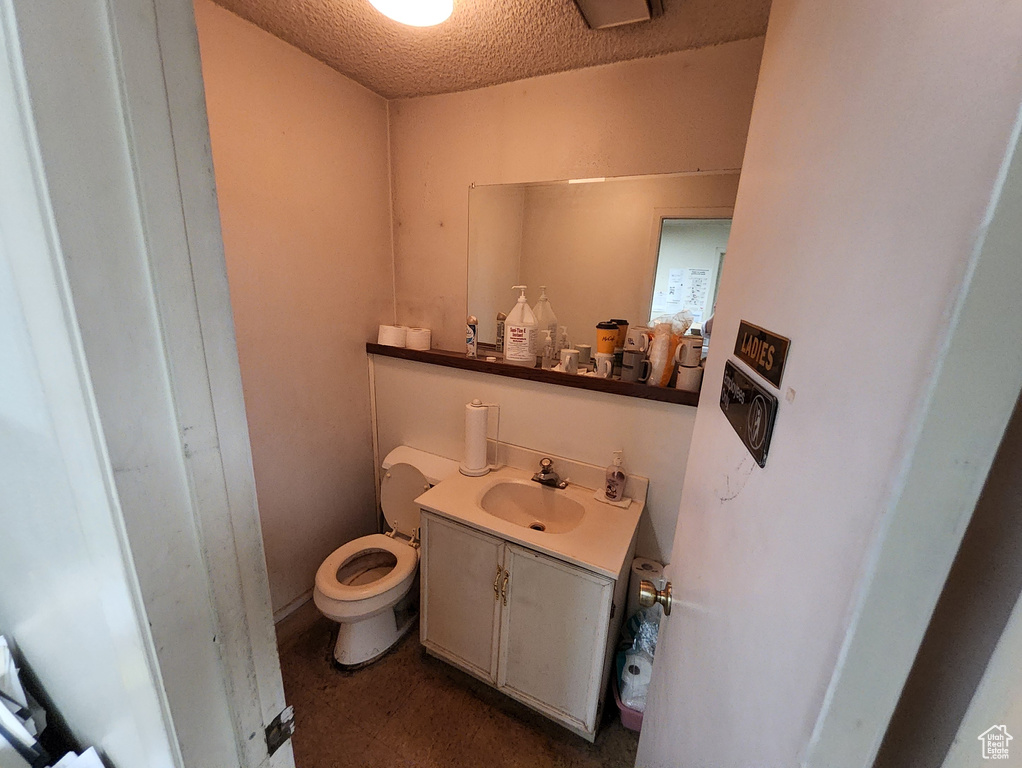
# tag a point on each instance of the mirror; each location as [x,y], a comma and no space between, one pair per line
[630,247]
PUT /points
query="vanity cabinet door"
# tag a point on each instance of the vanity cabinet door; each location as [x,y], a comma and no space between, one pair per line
[460,597]
[554,636]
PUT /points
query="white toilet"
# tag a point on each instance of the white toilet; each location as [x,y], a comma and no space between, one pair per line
[370,585]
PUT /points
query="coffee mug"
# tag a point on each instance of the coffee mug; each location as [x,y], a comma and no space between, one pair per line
[604,364]
[689,378]
[569,360]
[634,366]
[638,338]
[689,351]
[622,331]
[606,337]
[585,355]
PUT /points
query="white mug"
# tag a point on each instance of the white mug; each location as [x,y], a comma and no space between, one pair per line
[638,338]
[689,351]
[689,379]
[604,364]
[585,355]
[569,360]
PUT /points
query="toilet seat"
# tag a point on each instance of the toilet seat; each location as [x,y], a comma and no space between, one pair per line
[404,569]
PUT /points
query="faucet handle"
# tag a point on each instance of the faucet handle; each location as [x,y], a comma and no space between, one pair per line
[545,465]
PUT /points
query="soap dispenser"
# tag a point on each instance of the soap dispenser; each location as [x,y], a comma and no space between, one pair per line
[616,478]
[520,333]
[546,320]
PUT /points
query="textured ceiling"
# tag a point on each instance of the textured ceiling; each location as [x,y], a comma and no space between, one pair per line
[488,41]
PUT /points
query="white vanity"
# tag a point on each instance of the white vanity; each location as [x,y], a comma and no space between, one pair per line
[534,613]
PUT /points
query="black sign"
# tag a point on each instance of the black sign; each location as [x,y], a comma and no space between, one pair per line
[750,409]
[765,352]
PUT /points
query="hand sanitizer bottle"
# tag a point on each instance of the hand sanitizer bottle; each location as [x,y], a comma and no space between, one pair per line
[520,333]
[616,478]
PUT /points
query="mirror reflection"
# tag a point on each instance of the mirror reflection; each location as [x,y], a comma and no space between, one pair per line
[629,247]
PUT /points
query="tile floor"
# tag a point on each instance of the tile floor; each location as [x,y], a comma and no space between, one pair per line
[409,709]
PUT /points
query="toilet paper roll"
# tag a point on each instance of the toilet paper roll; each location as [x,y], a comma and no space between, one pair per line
[650,570]
[417,338]
[475,440]
[392,335]
[635,677]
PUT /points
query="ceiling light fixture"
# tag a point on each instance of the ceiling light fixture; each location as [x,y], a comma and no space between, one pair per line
[415,13]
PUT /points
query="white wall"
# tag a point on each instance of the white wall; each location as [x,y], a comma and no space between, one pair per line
[423,406]
[495,240]
[301,161]
[875,148]
[679,112]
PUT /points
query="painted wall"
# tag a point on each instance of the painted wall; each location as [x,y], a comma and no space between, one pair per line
[301,162]
[680,112]
[495,239]
[874,150]
[424,406]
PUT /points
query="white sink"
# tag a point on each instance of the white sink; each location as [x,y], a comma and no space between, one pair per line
[534,506]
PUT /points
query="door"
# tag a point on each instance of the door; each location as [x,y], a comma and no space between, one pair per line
[554,635]
[462,579]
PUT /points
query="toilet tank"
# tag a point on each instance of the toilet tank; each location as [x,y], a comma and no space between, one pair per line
[434,468]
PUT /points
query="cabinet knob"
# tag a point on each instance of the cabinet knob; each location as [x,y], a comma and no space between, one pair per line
[496,583]
[503,587]
[650,595]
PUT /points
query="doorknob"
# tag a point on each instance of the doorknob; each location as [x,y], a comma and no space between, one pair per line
[649,595]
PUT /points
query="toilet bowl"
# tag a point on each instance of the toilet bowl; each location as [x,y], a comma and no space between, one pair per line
[370,585]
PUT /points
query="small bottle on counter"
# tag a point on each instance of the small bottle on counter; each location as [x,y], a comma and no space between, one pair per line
[501,318]
[548,358]
[471,336]
[616,478]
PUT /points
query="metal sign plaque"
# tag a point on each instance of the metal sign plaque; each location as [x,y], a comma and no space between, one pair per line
[750,409]
[765,352]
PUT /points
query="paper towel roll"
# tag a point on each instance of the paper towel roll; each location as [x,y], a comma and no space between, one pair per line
[392,335]
[417,338]
[650,570]
[475,440]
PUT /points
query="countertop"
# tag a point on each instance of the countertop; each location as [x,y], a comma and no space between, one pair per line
[600,542]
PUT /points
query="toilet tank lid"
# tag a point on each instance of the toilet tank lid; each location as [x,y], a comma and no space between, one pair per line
[434,468]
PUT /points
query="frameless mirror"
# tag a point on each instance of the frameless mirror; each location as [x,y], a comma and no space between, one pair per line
[631,247]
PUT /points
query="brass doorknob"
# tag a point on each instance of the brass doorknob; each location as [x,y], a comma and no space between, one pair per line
[649,595]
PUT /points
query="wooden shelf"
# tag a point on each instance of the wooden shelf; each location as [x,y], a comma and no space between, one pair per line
[499,368]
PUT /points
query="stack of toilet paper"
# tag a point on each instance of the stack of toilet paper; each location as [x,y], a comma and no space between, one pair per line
[403,336]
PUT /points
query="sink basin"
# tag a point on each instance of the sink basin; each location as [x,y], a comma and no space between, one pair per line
[534,506]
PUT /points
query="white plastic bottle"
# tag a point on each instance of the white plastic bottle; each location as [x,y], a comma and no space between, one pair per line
[520,333]
[546,320]
[616,478]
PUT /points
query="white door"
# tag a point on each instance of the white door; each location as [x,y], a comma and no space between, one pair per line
[462,577]
[553,636]
[803,589]
[132,221]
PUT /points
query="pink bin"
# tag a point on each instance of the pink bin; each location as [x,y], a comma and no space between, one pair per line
[630,719]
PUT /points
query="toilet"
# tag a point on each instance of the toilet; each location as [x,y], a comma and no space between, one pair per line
[370,585]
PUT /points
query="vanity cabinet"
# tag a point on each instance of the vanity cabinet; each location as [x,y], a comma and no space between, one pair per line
[535,627]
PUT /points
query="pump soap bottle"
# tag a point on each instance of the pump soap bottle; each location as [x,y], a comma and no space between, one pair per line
[616,478]
[546,320]
[520,333]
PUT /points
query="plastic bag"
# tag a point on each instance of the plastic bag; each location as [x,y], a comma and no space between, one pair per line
[667,333]
[18,728]
[635,659]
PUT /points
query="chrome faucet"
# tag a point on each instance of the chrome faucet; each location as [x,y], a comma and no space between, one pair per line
[546,475]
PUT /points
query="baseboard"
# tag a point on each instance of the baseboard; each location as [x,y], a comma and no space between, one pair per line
[294,619]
